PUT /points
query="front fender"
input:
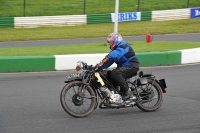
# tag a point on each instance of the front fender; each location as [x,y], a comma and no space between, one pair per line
[77,79]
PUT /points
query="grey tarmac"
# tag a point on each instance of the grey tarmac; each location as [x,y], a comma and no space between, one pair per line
[192,37]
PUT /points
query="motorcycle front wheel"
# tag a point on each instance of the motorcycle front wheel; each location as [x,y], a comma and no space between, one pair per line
[75,101]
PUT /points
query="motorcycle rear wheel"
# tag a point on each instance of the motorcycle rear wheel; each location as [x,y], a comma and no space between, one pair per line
[152,100]
[73,103]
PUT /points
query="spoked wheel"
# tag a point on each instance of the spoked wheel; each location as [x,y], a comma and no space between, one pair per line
[151,96]
[76,102]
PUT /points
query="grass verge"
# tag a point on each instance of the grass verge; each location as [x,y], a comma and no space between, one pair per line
[101,30]
[95,48]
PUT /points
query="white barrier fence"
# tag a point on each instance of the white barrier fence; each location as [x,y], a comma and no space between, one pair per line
[73,20]
[176,14]
[190,56]
[65,62]
[41,21]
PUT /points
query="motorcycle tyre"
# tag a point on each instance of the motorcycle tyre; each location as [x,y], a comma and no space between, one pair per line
[158,105]
[62,100]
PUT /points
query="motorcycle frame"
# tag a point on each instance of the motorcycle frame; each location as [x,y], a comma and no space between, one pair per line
[89,79]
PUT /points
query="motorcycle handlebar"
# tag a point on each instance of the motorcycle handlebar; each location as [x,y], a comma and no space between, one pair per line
[92,68]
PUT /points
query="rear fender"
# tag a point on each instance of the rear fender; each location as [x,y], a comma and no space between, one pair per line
[162,84]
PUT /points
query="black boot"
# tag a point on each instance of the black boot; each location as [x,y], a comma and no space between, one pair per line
[126,95]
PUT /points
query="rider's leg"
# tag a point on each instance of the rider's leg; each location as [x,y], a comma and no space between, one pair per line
[119,75]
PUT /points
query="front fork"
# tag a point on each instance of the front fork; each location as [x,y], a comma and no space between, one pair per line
[86,82]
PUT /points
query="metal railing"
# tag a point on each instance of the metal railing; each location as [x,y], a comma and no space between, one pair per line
[77,7]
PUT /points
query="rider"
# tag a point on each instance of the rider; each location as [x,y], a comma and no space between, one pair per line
[127,63]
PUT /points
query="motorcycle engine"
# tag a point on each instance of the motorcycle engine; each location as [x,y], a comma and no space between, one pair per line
[116,98]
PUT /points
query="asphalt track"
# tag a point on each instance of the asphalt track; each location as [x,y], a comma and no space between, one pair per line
[193,37]
[30,103]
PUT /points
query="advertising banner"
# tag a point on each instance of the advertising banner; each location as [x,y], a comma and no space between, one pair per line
[127,16]
[195,13]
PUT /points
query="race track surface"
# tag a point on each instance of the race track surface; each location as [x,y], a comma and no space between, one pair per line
[192,37]
[30,103]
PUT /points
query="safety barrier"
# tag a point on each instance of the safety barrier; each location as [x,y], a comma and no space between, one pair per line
[6,22]
[33,22]
[27,63]
[66,62]
[73,20]
[98,18]
[171,14]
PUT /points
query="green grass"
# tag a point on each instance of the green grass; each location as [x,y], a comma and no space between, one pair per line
[100,30]
[15,8]
[95,48]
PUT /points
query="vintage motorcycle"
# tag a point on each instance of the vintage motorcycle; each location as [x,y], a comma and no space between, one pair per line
[88,88]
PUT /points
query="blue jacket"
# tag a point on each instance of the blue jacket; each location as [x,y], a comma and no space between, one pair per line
[122,55]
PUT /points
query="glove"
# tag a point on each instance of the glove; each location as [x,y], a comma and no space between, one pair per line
[98,67]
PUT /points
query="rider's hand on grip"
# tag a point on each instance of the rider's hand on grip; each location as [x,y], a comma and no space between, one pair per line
[97,68]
